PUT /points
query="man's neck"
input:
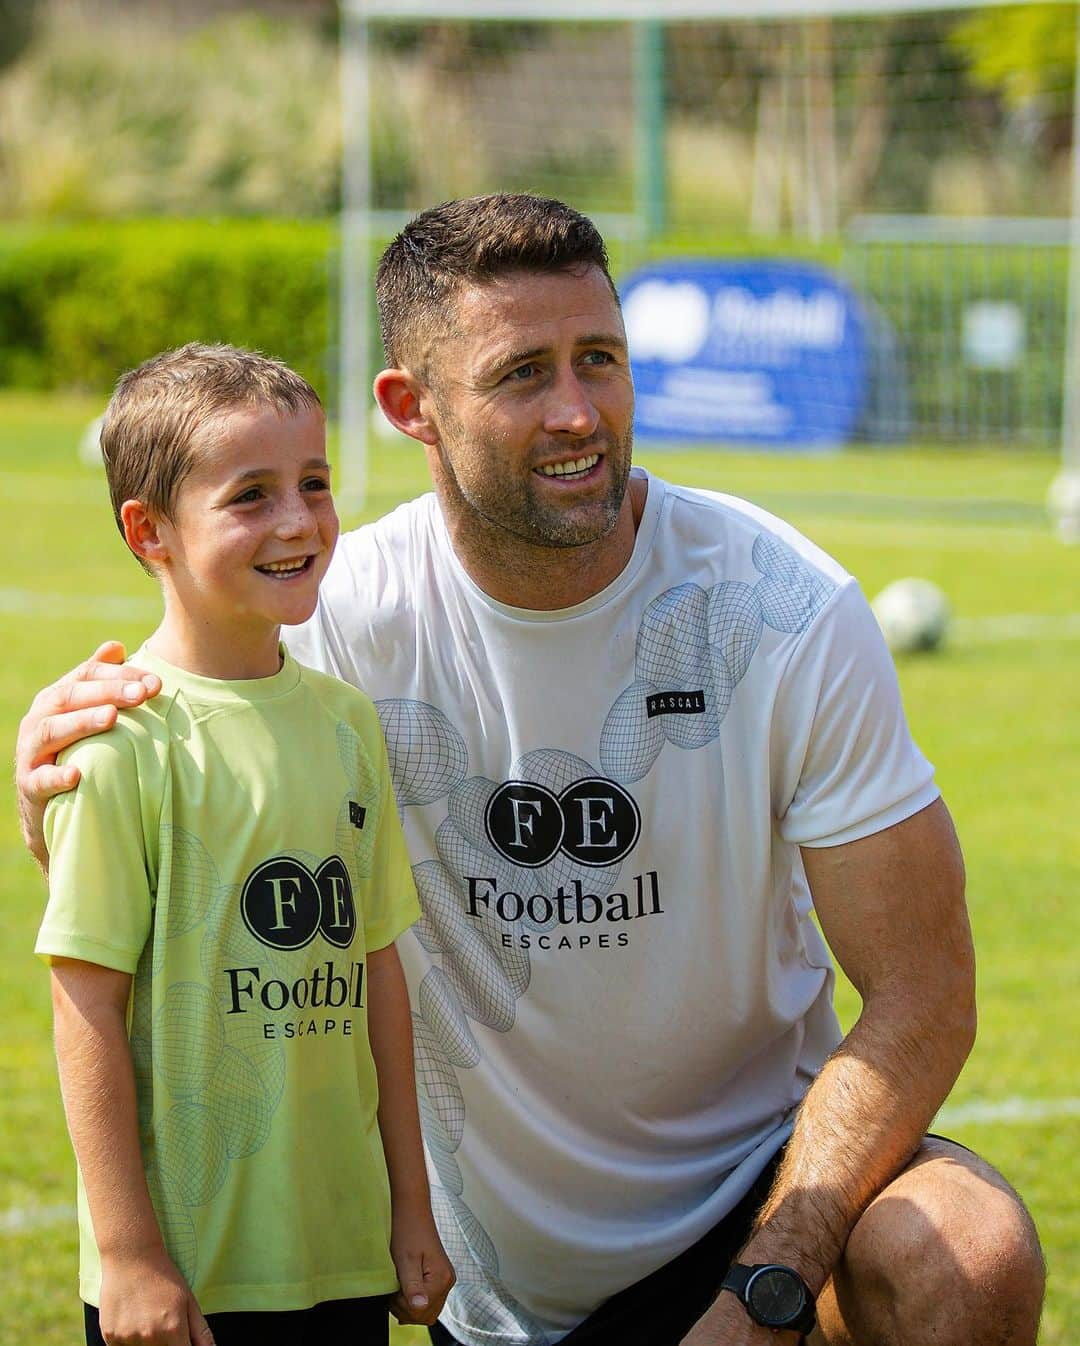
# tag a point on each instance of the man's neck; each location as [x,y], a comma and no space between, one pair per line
[547,579]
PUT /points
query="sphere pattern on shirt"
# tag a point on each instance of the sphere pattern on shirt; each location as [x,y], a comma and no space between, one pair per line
[691,639]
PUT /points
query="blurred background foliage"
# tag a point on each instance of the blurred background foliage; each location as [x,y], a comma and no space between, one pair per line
[1026,54]
[222,117]
[81,302]
[120,109]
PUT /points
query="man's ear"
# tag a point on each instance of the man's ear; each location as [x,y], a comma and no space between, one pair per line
[406,404]
[142,533]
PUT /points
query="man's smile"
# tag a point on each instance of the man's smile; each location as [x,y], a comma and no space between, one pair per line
[572,467]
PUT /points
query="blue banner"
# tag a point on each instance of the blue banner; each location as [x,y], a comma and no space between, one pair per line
[755,352]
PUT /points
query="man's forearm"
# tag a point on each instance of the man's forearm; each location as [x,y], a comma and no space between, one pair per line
[859,1124]
[891,906]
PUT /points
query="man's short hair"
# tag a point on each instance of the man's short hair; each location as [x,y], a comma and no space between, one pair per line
[155,422]
[470,242]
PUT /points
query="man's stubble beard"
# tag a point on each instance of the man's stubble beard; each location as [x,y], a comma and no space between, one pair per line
[522,517]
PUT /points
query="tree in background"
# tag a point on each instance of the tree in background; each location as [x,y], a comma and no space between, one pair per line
[829,118]
[1027,55]
[16,28]
[155,107]
[118,109]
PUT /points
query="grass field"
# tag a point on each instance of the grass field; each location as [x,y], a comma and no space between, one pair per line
[997,711]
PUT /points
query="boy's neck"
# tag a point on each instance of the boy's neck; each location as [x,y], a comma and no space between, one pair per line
[231,656]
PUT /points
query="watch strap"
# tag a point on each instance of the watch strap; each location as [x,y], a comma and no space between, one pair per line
[737,1278]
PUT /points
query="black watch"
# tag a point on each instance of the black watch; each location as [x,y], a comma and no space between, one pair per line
[774,1296]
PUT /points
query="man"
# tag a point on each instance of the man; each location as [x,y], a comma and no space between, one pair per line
[635,732]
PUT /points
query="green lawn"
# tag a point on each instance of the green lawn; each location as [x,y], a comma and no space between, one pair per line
[997,712]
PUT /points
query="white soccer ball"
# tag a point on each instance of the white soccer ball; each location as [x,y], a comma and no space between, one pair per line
[1063,502]
[913,615]
[90,443]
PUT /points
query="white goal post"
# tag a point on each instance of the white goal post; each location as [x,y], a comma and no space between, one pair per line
[368,216]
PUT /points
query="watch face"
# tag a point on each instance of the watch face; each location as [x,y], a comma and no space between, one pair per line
[775,1296]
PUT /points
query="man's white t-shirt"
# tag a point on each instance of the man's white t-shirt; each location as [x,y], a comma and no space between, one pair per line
[619,993]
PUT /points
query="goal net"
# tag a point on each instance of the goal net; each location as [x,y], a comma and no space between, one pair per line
[923,152]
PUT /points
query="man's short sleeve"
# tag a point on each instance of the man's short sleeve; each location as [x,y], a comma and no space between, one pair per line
[844,763]
[100,874]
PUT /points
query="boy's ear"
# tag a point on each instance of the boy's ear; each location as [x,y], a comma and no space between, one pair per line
[142,533]
[407,404]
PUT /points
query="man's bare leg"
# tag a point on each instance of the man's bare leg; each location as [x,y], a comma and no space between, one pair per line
[946,1255]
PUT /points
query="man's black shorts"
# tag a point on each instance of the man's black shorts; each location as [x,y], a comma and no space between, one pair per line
[661,1309]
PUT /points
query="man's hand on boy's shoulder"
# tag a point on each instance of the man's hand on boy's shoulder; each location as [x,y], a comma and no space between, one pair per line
[424,1271]
[81,703]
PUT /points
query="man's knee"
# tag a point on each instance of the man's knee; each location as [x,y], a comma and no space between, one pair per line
[946,1254]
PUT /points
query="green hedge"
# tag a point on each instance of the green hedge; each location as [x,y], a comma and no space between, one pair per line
[81,303]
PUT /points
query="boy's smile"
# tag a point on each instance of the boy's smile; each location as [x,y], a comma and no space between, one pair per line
[251,536]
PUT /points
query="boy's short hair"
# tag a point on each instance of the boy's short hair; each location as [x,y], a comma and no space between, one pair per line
[469,242]
[152,426]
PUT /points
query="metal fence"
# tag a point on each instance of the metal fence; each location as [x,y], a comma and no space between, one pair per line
[971,325]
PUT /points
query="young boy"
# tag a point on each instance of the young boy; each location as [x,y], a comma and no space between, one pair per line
[232,1024]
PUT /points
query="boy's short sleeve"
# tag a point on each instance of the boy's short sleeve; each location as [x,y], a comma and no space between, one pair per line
[391,903]
[100,872]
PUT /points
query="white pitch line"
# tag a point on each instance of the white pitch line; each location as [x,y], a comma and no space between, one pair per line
[25,1219]
[1005,1112]
[1018,626]
[110,607]
[50,606]
[1008,1111]
[902,535]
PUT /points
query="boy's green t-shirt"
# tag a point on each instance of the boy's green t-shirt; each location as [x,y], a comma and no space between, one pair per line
[236,846]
